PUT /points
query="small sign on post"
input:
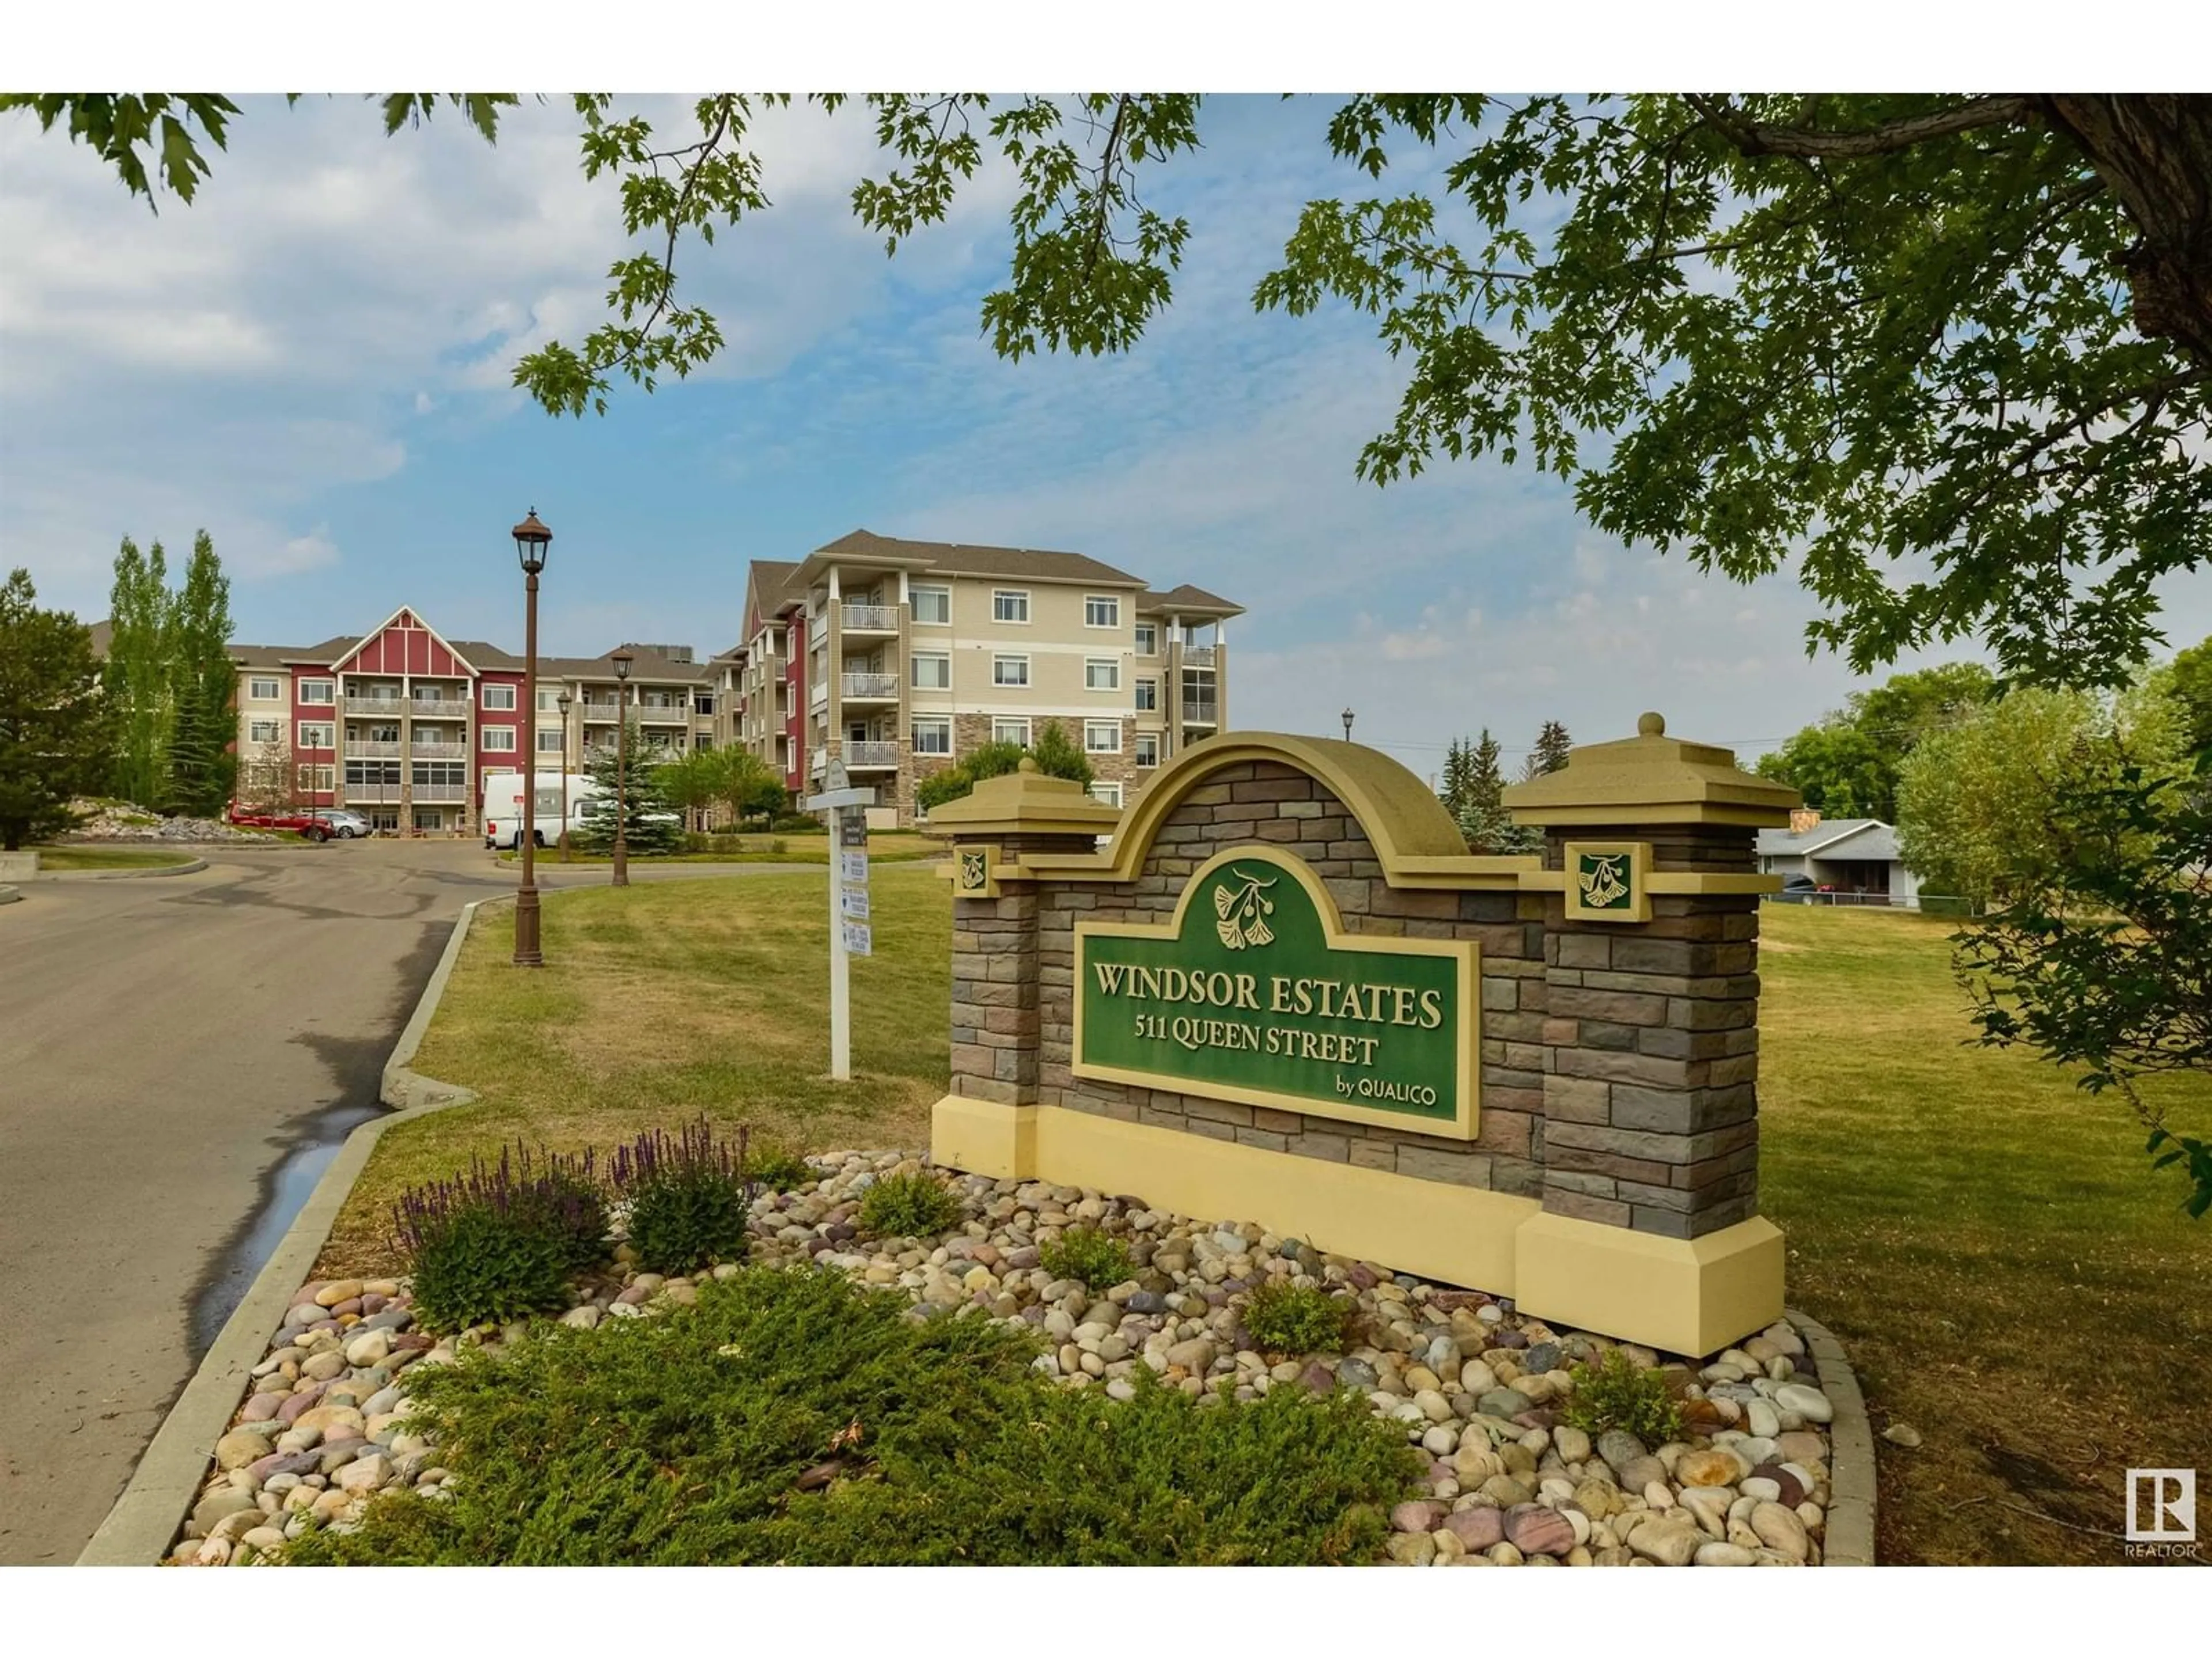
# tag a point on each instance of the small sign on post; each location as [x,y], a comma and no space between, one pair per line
[849,933]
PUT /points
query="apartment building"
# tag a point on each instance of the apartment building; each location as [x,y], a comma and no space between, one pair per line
[403,725]
[897,657]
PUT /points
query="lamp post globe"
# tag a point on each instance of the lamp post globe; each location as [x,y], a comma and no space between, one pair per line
[531,540]
[622,661]
[1347,725]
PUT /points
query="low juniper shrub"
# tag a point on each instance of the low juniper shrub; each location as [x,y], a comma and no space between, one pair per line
[1099,1260]
[501,1241]
[914,1205]
[689,1197]
[1296,1319]
[1617,1394]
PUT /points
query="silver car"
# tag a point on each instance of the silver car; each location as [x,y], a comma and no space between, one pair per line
[345,825]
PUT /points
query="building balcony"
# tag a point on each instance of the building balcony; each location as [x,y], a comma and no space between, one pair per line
[439,795]
[663,713]
[599,708]
[1202,711]
[871,755]
[364,749]
[422,750]
[438,709]
[817,694]
[1197,656]
[389,708]
[870,618]
[869,686]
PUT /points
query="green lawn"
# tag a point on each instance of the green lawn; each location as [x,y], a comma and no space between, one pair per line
[2007,1273]
[85,857]
[884,847]
[662,1000]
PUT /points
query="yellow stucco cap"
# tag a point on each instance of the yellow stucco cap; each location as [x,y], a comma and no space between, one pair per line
[1651,778]
[1025,802]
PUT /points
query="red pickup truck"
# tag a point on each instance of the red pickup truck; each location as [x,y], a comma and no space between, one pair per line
[307,824]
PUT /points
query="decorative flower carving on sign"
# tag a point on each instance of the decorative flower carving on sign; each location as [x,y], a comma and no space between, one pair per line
[1241,909]
[971,870]
[1604,877]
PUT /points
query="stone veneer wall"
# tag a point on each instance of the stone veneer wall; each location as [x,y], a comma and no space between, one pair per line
[1650,1048]
[1269,802]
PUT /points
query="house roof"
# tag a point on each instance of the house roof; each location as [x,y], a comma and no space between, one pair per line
[964,559]
[1186,601]
[1870,838]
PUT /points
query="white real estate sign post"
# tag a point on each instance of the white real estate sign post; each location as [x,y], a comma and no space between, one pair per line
[849,933]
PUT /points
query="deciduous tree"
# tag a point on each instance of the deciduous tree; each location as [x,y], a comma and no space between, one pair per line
[55,724]
[138,681]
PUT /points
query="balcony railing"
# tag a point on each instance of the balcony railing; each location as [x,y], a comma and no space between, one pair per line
[871,753]
[597,708]
[1197,656]
[436,795]
[1201,711]
[422,750]
[390,707]
[365,749]
[439,708]
[818,693]
[881,688]
[662,713]
[872,618]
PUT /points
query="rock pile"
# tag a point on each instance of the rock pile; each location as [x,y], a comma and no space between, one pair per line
[106,821]
[1480,1388]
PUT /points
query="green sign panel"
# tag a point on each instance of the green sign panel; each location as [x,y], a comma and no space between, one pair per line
[1255,992]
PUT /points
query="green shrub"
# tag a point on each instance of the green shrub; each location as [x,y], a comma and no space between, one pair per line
[915,1205]
[1100,1260]
[1296,1319]
[689,1197]
[1617,1394]
[778,1169]
[501,1241]
[683,1440]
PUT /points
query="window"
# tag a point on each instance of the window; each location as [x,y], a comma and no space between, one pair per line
[261,689]
[932,736]
[265,731]
[1009,604]
[549,742]
[703,703]
[1101,610]
[933,606]
[322,691]
[932,671]
[1010,671]
[450,774]
[548,703]
[386,820]
[1102,737]
[1106,794]
[319,778]
[1102,673]
[369,773]
[1148,748]
[318,734]
[499,739]
[1008,729]
[1148,639]
[499,696]
[1148,696]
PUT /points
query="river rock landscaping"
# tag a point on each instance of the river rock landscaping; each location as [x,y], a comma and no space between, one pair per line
[1456,1446]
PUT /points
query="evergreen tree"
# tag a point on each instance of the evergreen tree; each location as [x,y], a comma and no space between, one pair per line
[1059,755]
[650,823]
[1550,754]
[55,725]
[200,767]
[136,680]
[1482,818]
[1458,772]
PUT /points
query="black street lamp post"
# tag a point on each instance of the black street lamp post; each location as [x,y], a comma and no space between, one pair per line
[563,700]
[622,661]
[531,538]
[1347,725]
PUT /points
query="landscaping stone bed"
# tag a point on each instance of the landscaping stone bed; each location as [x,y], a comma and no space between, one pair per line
[1479,1387]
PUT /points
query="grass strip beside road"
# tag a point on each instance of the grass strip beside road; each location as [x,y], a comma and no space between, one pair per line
[2007,1273]
[891,847]
[86,857]
[660,1001]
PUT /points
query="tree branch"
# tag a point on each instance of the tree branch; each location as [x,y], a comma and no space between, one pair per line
[1752,138]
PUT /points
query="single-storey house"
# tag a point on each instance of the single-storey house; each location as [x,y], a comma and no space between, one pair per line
[1857,858]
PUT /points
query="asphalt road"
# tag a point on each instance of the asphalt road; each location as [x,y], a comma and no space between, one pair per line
[179,1058]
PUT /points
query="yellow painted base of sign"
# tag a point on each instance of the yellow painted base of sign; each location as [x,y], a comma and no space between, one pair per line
[1683,1295]
[1689,1296]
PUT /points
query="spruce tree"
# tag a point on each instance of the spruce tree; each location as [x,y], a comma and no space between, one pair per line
[1552,744]
[641,795]
[55,725]
[1459,769]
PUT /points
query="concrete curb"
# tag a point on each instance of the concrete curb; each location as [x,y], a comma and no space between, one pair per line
[145,1520]
[1848,1541]
[11,896]
[189,867]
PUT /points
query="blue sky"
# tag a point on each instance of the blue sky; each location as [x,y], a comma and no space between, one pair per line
[312,362]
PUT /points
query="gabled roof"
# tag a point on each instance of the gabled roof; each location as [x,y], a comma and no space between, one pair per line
[1186,601]
[772,585]
[359,645]
[963,559]
[1871,839]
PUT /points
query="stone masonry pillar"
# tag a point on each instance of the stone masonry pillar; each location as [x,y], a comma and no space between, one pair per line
[1650,1036]
[986,1121]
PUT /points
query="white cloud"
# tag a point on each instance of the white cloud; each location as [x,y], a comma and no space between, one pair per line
[312,551]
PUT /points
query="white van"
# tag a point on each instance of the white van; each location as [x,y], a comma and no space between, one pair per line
[503,807]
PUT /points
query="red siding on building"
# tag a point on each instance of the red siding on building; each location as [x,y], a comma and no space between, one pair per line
[515,719]
[405,645]
[794,675]
[325,711]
